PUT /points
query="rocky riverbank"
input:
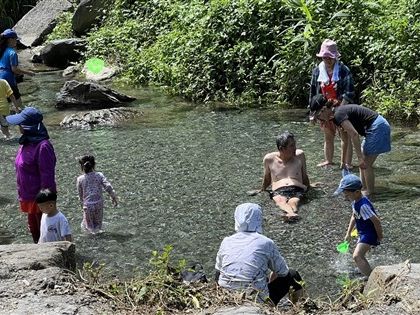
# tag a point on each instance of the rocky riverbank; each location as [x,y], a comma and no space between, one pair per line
[41,279]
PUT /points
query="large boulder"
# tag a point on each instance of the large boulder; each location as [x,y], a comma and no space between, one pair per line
[89,95]
[34,279]
[40,21]
[396,284]
[86,15]
[60,53]
[101,117]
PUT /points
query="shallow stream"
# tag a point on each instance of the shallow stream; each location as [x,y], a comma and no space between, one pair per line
[180,172]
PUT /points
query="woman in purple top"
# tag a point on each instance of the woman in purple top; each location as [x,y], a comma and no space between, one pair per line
[35,164]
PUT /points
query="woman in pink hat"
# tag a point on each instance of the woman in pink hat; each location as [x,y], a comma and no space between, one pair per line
[332,79]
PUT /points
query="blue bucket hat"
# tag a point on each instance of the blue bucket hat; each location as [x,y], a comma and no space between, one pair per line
[29,116]
[9,33]
[349,182]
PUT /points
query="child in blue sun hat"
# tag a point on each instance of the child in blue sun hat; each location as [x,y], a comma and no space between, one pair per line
[364,217]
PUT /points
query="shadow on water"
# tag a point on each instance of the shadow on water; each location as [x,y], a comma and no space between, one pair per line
[5,237]
[395,193]
[179,173]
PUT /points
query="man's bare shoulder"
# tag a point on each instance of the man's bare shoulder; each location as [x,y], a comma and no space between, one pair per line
[300,152]
[270,156]
[300,155]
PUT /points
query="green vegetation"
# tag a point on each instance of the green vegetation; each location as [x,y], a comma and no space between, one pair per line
[12,10]
[162,291]
[257,53]
[63,29]
[252,53]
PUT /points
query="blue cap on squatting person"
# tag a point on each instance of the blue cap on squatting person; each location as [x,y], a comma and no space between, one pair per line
[9,33]
[349,182]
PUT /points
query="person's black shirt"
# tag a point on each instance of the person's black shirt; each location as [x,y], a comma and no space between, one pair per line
[360,117]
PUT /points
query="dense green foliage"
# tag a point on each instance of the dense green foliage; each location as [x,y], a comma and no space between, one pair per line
[260,52]
[63,29]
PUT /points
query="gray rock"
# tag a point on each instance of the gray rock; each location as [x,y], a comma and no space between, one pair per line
[86,15]
[102,117]
[105,74]
[396,284]
[40,21]
[70,71]
[60,53]
[393,290]
[89,95]
[34,280]
[239,310]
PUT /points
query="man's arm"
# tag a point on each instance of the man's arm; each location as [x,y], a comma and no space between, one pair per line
[348,127]
[266,182]
[305,177]
[378,227]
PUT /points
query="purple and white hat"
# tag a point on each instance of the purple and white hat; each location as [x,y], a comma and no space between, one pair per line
[328,50]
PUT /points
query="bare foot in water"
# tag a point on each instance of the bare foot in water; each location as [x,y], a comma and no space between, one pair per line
[325,164]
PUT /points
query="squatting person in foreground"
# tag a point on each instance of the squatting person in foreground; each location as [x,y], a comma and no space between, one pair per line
[245,258]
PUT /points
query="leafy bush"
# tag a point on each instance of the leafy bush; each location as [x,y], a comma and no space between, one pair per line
[63,29]
[254,53]
[12,10]
[160,290]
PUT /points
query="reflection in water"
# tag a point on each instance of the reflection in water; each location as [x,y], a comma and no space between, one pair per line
[180,173]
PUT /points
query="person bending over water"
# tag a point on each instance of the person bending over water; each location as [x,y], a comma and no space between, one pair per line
[285,171]
[357,120]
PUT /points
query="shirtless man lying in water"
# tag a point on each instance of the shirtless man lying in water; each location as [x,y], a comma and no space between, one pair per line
[285,171]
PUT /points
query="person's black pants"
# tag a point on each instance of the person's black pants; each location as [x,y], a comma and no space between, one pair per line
[281,285]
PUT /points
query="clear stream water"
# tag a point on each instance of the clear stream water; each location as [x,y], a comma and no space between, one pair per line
[180,172]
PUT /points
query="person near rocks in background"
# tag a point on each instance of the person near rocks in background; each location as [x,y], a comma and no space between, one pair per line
[35,164]
[9,62]
[334,81]
[245,258]
[6,93]
[89,187]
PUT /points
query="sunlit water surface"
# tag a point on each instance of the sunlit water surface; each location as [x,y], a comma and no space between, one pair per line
[180,172]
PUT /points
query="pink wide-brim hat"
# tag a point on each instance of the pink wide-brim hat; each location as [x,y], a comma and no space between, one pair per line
[328,50]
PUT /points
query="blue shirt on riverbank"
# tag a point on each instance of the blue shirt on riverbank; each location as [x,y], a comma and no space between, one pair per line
[7,61]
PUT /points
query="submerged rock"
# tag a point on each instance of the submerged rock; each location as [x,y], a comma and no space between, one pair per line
[89,95]
[102,117]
